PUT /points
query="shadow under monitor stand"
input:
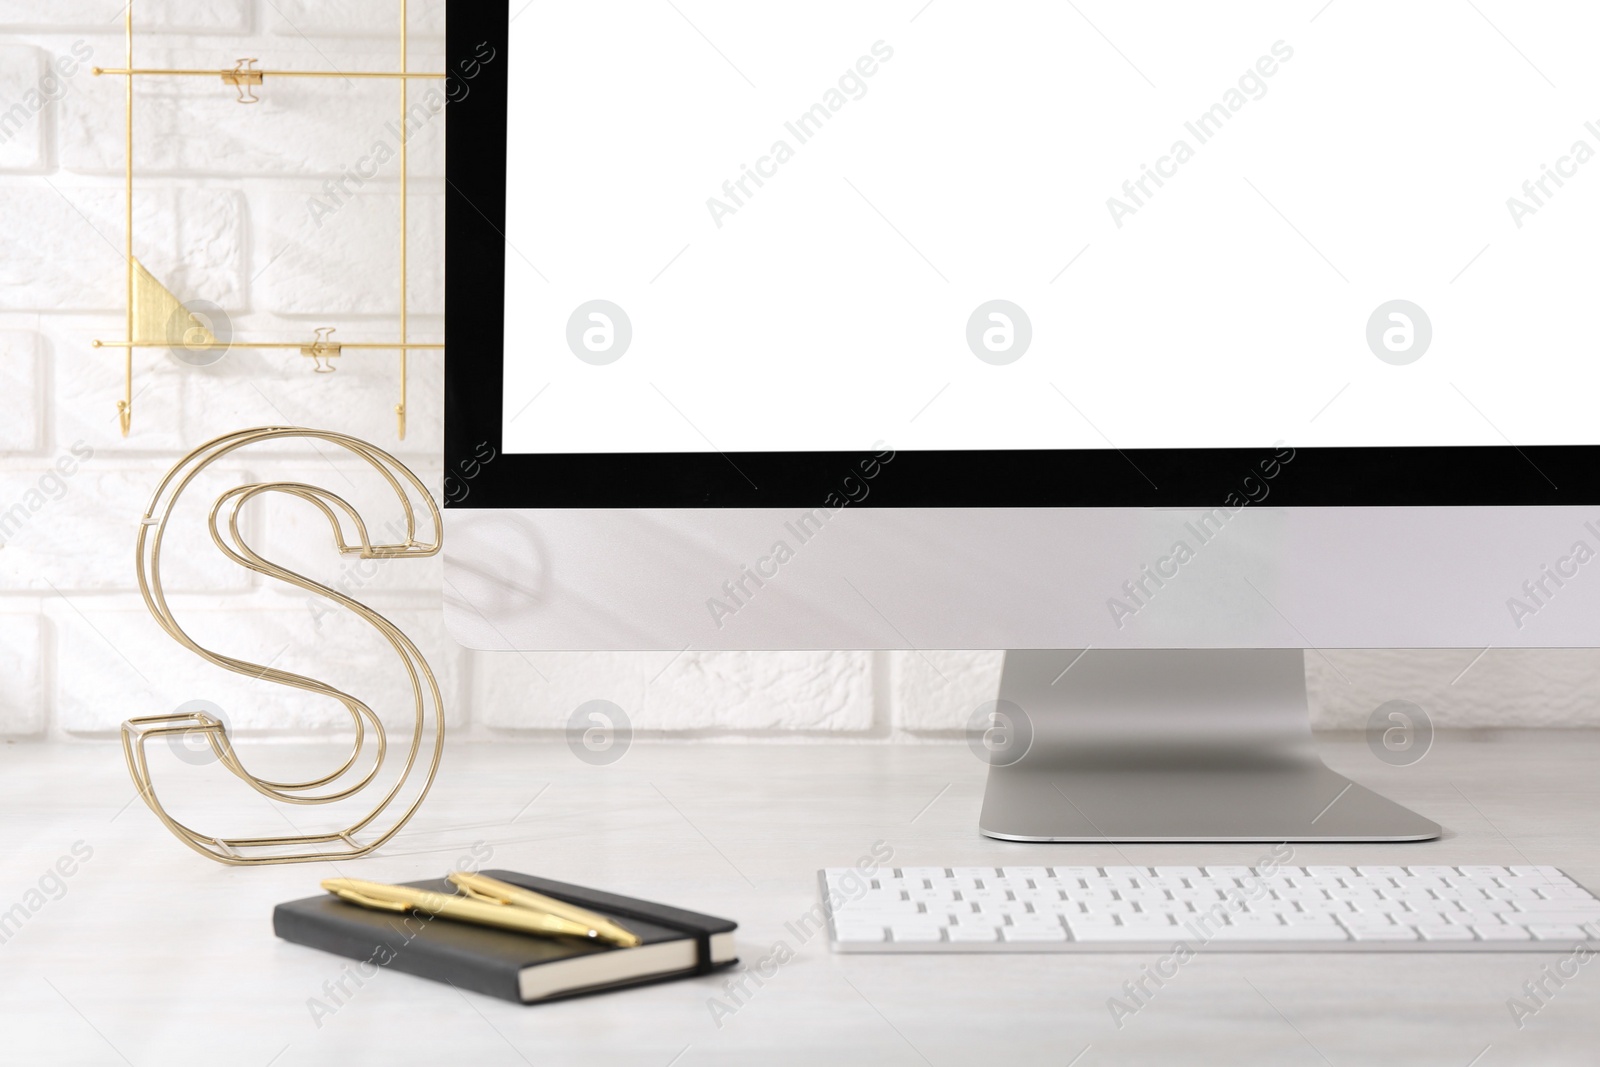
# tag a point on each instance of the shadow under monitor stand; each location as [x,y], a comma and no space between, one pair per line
[1170,745]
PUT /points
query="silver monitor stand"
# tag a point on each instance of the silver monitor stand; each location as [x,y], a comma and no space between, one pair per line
[1169,745]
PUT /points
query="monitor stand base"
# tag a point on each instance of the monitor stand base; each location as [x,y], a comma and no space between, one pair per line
[1169,745]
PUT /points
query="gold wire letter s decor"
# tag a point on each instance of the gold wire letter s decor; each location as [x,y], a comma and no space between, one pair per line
[350,536]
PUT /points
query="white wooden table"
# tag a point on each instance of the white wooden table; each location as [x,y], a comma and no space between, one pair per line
[152,955]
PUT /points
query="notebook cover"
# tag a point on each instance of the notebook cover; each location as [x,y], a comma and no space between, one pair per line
[481,958]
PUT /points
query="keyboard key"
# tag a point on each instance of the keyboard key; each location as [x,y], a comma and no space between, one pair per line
[1558,933]
[1366,918]
[985,895]
[1102,932]
[1178,872]
[1551,918]
[1383,933]
[1312,932]
[1502,932]
[1274,934]
[1446,933]
[973,933]
[1200,896]
[1145,896]
[1034,933]
[1230,872]
[1303,932]
[1481,904]
[855,917]
[1523,892]
[1591,905]
[1564,892]
[1309,918]
[1420,881]
[1383,872]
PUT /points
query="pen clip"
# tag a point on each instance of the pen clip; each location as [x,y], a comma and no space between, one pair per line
[489,890]
[367,902]
[477,888]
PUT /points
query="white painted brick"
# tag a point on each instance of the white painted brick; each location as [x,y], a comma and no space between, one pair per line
[22,707]
[298,536]
[61,247]
[255,388]
[355,18]
[302,127]
[116,664]
[199,16]
[76,532]
[25,109]
[22,384]
[1528,687]
[762,691]
[347,262]
[86,383]
[939,691]
[694,691]
[539,691]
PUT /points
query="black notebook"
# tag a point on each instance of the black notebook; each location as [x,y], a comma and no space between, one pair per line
[511,965]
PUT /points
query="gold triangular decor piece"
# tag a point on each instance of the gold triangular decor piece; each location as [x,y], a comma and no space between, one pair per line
[160,318]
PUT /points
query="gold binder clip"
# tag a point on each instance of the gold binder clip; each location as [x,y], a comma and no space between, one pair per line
[323,351]
[244,77]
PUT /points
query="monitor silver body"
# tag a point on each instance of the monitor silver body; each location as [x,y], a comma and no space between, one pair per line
[937,578]
[1108,725]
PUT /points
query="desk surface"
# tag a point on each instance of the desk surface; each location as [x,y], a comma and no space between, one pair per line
[153,955]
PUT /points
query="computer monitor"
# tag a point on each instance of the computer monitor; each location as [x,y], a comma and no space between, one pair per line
[1155,350]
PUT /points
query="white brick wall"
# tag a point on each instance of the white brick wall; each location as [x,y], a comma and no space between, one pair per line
[21,72]
[178,16]
[223,215]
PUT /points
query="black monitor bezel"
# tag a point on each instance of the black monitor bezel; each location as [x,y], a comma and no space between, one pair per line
[476,183]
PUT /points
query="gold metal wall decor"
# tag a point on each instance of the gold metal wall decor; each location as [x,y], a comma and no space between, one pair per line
[157,319]
[350,536]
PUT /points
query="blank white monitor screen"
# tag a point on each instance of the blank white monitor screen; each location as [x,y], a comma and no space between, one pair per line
[795,227]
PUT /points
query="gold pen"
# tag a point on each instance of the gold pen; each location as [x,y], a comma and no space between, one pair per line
[400,898]
[494,891]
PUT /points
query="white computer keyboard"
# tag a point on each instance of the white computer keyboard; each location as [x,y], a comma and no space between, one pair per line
[1290,909]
